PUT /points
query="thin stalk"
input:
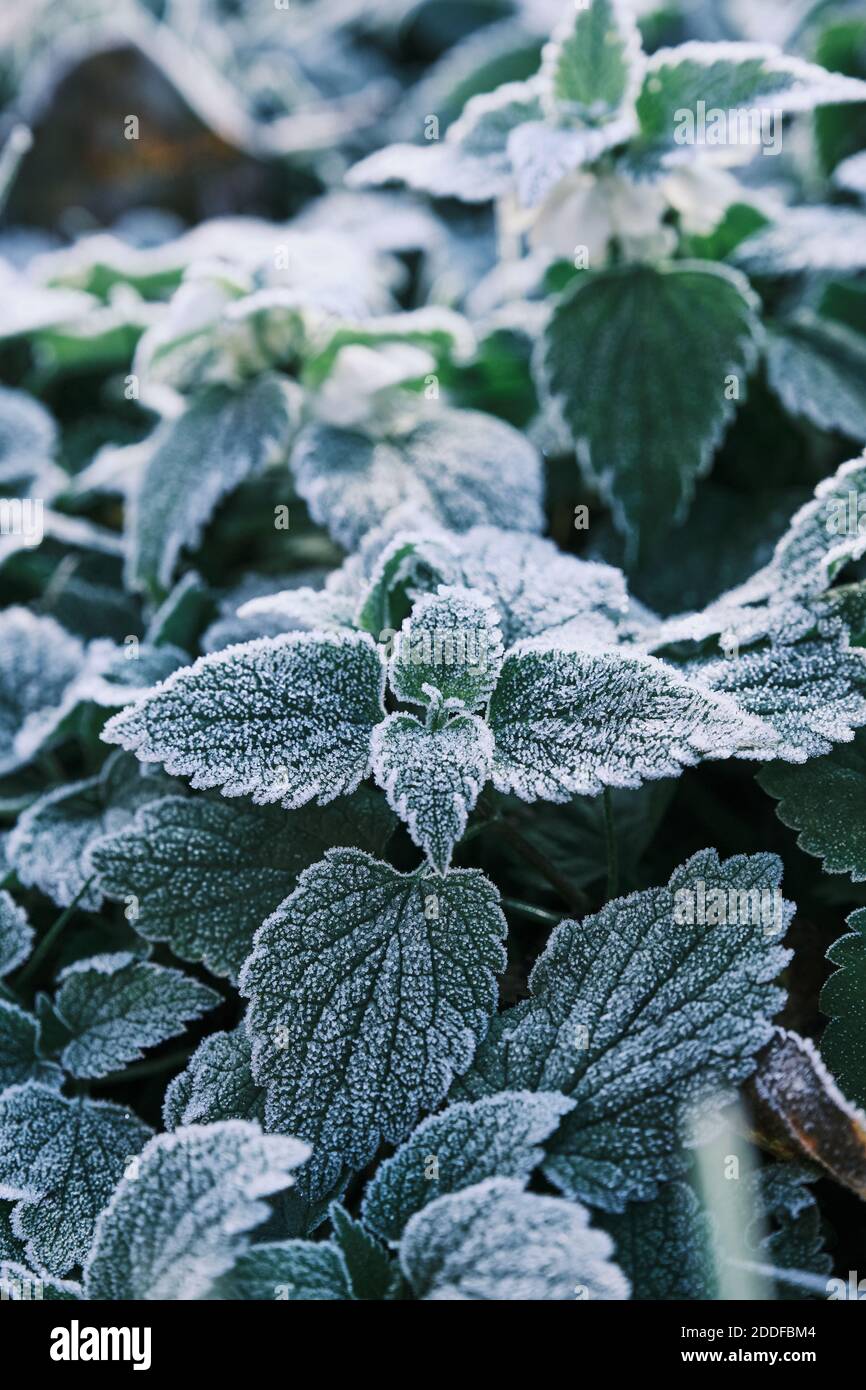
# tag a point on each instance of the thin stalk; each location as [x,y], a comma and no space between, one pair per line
[612,851]
[537,914]
[575,899]
[48,941]
[152,1067]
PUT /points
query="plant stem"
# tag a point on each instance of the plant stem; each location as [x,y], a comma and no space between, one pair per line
[152,1067]
[612,853]
[50,937]
[538,914]
[7,992]
[575,899]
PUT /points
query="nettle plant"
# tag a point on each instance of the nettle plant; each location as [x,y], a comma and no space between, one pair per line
[630,180]
[359,937]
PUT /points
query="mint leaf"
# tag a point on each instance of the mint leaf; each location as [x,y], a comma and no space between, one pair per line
[495,1241]
[843,1000]
[181,1218]
[570,722]
[641,1017]
[368,989]
[817,369]
[371,1273]
[116,1006]
[28,436]
[665,1247]
[203,874]
[49,847]
[19,1050]
[458,467]
[59,1160]
[217,1084]
[433,777]
[731,77]
[807,239]
[16,934]
[497,1136]
[593,62]
[223,437]
[18,1284]
[283,719]
[613,345]
[824,801]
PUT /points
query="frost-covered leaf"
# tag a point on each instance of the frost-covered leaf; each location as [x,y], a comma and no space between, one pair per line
[542,154]
[203,874]
[535,587]
[843,1000]
[283,719]
[18,1284]
[731,77]
[223,437]
[38,663]
[570,722]
[851,174]
[60,1159]
[452,643]
[616,347]
[217,1084]
[645,1015]
[796,1100]
[16,934]
[181,1219]
[369,989]
[592,65]
[28,436]
[19,1050]
[811,694]
[498,1136]
[825,801]
[665,1246]
[818,370]
[289,1271]
[493,1241]
[116,1006]
[807,239]
[457,467]
[50,844]
[432,777]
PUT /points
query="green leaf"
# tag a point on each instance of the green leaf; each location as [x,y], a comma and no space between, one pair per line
[116,1006]
[28,436]
[433,777]
[49,847]
[731,77]
[19,1050]
[843,1000]
[217,1084]
[592,64]
[493,1241]
[570,722]
[643,1014]
[289,1271]
[371,1273]
[665,1246]
[203,874]
[59,1160]
[616,346]
[369,989]
[818,370]
[452,643]
[16,934]
[459,468]
[222,438]
[181,1219]
[826,802]
[812,239]
[283,719]
[498,1136]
